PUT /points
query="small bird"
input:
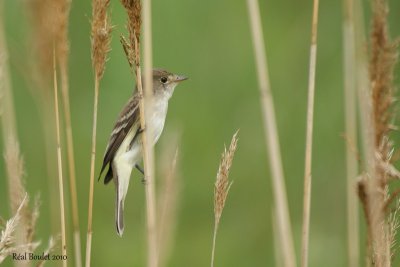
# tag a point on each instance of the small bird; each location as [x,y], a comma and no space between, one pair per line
[124,149]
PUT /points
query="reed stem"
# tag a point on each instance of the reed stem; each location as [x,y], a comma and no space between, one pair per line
[271,137]
[71,164]
[349,74]
[148,155]
[59,164]
[92,166]
[309,135]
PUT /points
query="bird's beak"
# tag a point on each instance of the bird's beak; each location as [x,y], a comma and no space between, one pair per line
[180,78]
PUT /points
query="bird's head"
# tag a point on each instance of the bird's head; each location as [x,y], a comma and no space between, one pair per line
[164,82]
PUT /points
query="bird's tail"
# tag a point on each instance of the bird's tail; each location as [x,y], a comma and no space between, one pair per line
[121,178]
[119,213]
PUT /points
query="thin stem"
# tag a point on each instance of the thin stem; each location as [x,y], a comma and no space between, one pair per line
[351,133]
[213,245]
[365,110]
[271,137]
[59,164]
[148,152]
[92,165]
[309,134]
[71,164]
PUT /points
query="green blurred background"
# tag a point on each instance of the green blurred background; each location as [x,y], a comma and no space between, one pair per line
[210,42]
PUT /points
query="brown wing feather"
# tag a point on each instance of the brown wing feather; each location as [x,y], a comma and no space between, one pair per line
[125,121]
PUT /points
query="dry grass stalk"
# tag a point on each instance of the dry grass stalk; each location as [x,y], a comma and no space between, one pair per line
[152,235]
[61,12]
[132,49]
[168,203]
[309,134]
[101,40]
[222,186]
[365,111]
[271,137]
[59,165]
[373,189]
[349,59]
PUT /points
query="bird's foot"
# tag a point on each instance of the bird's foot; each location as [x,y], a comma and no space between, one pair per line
[139,168]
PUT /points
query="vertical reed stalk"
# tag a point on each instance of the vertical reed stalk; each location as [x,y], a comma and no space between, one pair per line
[271,137]
[152,245]
[100,45]
[59,164]
[92,165]
[213,244]
[63,51]
[132,50]
[363,88]
[309,135]
[365,111]
[350,132]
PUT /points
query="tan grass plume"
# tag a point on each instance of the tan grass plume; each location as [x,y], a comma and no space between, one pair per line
[100,46]
[222,186]
[373,188]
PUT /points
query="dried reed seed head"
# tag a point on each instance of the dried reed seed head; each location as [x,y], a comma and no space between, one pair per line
[43,22]
[222,183]
[100,36]
[50,26]
[62,31]
[134,10]
[129,51]
[383,59]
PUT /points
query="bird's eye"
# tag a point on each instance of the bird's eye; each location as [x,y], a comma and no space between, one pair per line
[164,79]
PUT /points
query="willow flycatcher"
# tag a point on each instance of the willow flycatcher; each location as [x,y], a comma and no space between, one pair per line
[124,149]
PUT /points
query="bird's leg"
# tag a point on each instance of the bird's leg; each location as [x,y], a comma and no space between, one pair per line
[141,170]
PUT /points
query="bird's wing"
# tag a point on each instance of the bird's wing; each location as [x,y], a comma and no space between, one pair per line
[125,121]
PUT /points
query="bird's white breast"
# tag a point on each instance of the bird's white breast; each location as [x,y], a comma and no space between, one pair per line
[156,120]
